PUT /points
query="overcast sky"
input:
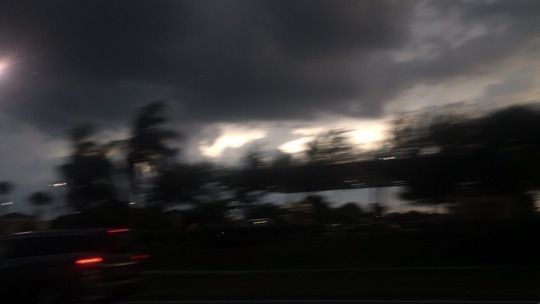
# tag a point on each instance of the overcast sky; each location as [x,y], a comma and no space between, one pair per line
[239,72]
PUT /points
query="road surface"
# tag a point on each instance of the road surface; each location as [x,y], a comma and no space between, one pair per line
[332,302]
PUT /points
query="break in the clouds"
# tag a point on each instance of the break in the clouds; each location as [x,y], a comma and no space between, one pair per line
[225,66]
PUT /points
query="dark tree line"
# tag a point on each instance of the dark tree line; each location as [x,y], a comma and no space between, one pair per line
[450,158]
[497,155]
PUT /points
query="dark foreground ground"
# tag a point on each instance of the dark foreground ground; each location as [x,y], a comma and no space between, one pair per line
[386,284]
[444,244]
[331,301]
[442,262]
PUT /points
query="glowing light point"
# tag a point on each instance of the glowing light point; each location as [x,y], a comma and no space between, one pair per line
[3,66]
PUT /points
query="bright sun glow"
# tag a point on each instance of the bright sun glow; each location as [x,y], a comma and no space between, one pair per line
[296,146]
[3,66]
[230,138]
[366,135]
[363,134]
[369,136]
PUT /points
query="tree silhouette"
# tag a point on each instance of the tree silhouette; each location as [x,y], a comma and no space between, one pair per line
[497,155]
[88,172]
[148,146]
[347,213]
[266,210]
[246,182]
[208,214]
[314,209]
[40,199]
[282,160]
[6,188]
[330,147]
[253,159]
[181,184]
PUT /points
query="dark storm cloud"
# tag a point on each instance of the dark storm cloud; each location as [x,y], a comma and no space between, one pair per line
[509,25]
[233,60]
[219,60]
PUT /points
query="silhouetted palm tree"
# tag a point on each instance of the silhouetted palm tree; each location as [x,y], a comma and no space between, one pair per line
[88,171]
[40,199]
[148,146]
[330,147]
[6,188]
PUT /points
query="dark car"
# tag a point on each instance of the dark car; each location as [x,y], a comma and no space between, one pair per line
[72,266]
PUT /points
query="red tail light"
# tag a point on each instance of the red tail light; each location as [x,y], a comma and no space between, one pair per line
[139,257]
[89,261]
[117,230]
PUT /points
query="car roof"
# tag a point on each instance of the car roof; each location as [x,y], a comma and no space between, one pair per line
[58,233]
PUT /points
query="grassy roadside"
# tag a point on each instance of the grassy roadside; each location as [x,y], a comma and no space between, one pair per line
[423,283]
